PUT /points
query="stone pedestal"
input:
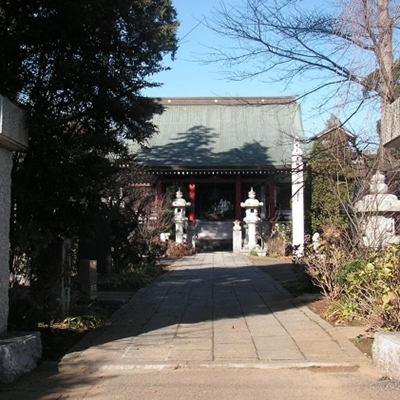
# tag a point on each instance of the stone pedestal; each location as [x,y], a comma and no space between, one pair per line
[19,354]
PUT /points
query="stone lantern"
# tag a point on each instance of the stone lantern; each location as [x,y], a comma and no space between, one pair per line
[251,206]
[180,219]
[377,211]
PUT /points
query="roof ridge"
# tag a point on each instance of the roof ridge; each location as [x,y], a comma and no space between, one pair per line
[259,100]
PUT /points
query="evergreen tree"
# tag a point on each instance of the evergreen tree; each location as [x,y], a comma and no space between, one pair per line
[78,68]
[333,175]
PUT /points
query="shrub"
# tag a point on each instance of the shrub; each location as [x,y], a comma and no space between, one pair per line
[83,314]
[279,240]
[325,266]
[373,285]
[84,321]
[343,310]
[180,249]
[365,286]
[131,276]
[276,247]
[253,253]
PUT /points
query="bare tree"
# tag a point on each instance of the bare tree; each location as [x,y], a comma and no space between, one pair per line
[348,47]
[350,44]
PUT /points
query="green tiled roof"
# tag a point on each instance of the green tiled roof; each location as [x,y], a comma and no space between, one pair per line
[224,133]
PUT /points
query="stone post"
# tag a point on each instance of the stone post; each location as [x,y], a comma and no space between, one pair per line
[191,233]
[19,352]
[97,246]
[5,198]
[237,237]
[66,264]
[180,218]
[13,137]
[87,277]
[297,199]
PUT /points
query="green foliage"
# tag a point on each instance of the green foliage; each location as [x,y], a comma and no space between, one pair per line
[83,313]
[363,286]
[253,253]
[343,310]
[131,277]
[332,179]
[351,267]
[84,321]
[373,286]
[78,69]
[283,231]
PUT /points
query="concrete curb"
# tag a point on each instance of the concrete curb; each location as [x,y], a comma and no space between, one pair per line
[273,365]
[386,353]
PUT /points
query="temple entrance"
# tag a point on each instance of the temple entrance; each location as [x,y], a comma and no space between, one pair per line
[215,201]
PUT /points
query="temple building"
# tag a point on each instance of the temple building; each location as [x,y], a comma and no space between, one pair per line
[217,149]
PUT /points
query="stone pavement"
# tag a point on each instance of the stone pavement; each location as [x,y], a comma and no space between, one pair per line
[211,310]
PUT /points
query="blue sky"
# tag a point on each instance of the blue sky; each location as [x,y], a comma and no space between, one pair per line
[190,78]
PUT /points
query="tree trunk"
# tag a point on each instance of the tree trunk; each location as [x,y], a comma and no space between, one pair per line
[384,53]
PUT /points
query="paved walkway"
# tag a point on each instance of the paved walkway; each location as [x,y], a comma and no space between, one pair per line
[213,309]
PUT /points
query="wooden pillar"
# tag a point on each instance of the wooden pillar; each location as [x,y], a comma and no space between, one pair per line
[263,199]
[192,199]
[271,203]
[159,193]
[238,198]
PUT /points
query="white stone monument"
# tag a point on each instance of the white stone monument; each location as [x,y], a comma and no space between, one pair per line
[180,219]
[251,206]
[297,199]
[376,212]
[316,241]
